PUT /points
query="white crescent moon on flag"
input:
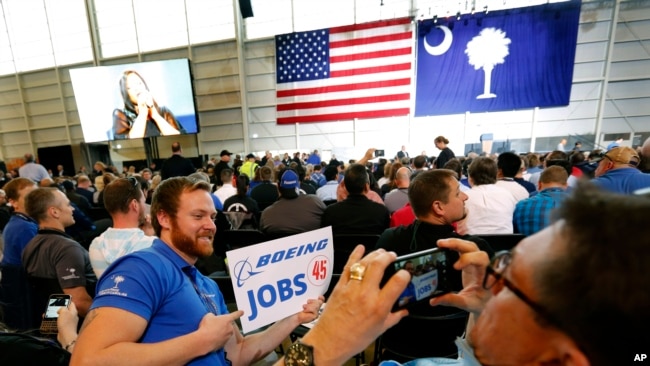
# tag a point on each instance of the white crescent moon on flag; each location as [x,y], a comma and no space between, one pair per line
[443,46]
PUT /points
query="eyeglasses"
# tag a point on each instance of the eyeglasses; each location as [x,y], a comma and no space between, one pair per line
[494,274]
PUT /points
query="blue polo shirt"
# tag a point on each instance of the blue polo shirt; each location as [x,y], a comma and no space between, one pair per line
[17,233]
[158,285]
[623,180]
[534,214]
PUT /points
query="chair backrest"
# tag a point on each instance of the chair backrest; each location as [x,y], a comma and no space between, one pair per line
[500,242]
[15,297]
[235,239]
[344,244]
[403,342]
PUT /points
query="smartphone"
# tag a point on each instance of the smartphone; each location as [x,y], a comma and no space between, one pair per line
[379,153]
[54,303]
[432,274]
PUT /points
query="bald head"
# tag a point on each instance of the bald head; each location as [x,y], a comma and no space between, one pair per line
[403,177]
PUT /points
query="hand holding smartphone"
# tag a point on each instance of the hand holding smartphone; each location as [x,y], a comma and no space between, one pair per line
[54,303]
[432,274]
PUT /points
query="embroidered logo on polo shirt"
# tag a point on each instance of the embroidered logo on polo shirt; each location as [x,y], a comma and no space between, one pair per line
[72,274]
[115,290]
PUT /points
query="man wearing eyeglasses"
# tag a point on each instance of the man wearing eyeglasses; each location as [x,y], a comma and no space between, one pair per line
[125,202]
[568,295]
[154,307]
[617,171]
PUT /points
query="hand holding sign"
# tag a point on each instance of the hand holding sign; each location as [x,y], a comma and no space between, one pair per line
[310,310]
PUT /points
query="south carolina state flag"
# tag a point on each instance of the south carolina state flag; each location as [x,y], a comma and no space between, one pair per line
[503,60]
[341,73]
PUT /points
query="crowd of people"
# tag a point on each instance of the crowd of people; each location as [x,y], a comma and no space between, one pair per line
[136,281]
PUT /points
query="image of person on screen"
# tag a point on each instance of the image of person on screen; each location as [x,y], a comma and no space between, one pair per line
[141,115]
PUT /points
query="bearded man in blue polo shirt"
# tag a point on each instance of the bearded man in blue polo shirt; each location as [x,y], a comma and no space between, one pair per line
[154,307]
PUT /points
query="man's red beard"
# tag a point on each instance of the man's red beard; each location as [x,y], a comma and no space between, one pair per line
[189,245]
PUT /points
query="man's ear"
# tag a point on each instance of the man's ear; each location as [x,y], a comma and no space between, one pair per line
[563,350]
[437,208]
[164,220]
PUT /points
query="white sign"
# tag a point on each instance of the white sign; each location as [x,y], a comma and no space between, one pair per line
[425,284]
[272,280]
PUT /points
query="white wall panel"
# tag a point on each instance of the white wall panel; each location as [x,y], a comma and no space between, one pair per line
[588,71]
[627,107]
[588,52]
[220,117]
[261,114]
[582,91]
[264,130]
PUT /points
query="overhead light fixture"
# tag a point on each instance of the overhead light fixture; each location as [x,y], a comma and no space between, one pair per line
[458,15]
[486,9]
[435,19]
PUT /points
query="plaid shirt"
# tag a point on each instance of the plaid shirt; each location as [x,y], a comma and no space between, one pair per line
[533,214]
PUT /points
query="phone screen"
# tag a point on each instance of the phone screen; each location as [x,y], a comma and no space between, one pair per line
[432,274]
[56,302]
[379,153]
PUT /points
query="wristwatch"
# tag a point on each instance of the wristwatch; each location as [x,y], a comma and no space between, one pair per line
[299,354]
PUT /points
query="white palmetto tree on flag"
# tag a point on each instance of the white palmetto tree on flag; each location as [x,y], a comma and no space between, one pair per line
[485,51]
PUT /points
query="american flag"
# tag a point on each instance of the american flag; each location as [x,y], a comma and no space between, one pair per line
[342,73]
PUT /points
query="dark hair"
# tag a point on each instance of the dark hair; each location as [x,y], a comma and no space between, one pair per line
[427,187]
[355,179]
[483,170]
[509,163]
[455,165]
[242,185]
[119,193]
[167,197]
[419,161]
[38,201]
[330,172]
[596,288]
